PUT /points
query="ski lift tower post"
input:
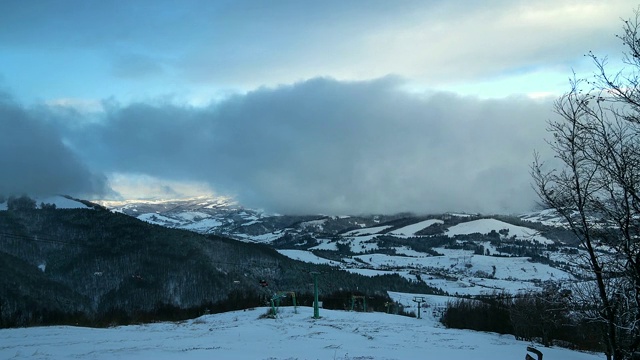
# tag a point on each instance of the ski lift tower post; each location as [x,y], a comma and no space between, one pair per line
[356,297]
[275,301]
[316,311]
[419,300]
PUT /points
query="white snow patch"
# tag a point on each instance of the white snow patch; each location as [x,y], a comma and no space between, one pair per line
[252,222]
[410,230]
[367,231]
[263,238]
[485,226]
[325,244]
[362,244]
[307,256]
[403,250]
[202,225]
[192,215]
[158,219]
[318,224]
[59,201]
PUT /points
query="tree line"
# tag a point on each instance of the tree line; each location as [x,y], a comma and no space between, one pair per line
[96,267]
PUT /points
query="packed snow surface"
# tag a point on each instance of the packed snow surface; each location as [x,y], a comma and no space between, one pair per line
[242,335]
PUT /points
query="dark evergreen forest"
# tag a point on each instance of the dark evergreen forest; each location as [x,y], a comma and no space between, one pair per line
[97,268]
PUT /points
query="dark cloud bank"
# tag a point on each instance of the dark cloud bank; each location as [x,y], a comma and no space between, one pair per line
[34,160]
[319,146]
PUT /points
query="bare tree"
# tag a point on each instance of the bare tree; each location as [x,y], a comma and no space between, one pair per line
[597,188]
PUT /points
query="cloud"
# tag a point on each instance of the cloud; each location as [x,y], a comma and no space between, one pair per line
[140,186]
[135,66]
[432,43]
[34,160]
[161,46]
[326,146]
[345,144]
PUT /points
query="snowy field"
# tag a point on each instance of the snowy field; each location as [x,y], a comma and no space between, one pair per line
[61,202]
[412,229]
[242,335]
[469,274]
[485,226]
[307,256]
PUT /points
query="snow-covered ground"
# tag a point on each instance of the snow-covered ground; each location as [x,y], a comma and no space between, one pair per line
[410,230]
[485,226]
[157,219]
[59,201]
[242,335]
[192,220]
[308,257]
[549,217]
[325,244]
[474,274]
[367,231]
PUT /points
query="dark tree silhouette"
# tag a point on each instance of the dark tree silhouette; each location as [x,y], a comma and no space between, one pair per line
[597,190]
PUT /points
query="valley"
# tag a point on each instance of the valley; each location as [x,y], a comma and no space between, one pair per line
[464,254]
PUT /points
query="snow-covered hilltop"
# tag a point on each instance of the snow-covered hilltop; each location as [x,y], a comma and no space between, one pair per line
[459,253]
[200,214]
[57,201]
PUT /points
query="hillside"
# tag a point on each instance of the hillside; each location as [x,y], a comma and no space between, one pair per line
[97,267]
[458,253]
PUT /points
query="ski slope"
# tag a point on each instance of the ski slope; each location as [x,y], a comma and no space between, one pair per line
[242,335]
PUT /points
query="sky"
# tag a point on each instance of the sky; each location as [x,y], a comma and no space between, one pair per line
[297,107]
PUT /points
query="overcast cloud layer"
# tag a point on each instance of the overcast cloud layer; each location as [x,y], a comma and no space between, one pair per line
[319,146]
[336,107]
[35,161]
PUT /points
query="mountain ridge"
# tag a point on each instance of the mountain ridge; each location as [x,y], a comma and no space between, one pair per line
[462,253]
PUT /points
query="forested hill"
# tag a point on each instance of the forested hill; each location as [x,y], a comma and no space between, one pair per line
[96,267]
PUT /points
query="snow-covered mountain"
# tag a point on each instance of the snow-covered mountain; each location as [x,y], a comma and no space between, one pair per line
[459,253]
[222,216]
[201,214]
